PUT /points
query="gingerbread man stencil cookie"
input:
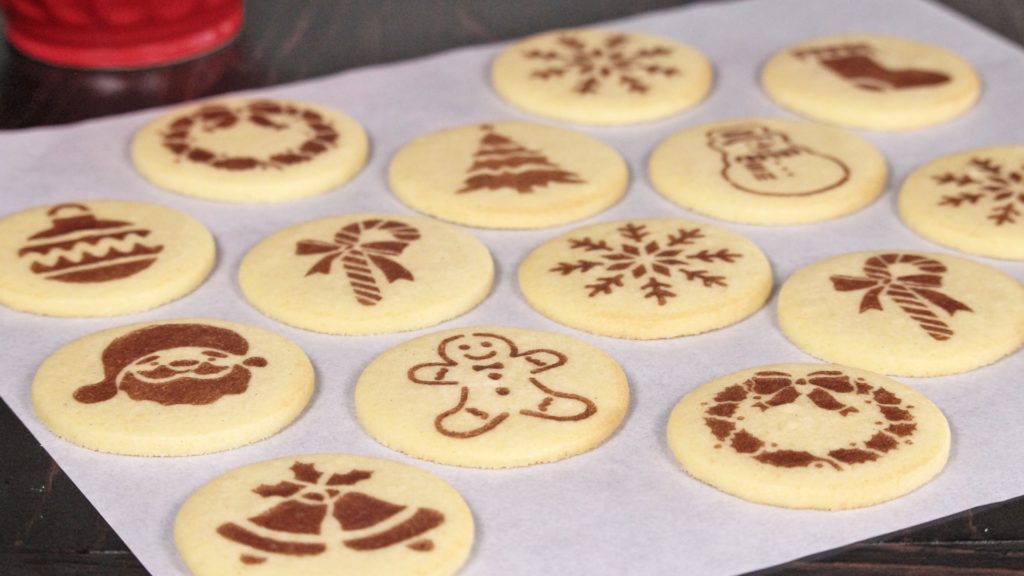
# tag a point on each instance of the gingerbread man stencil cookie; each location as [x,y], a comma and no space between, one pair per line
[874,82]
[809,436]
[492,397]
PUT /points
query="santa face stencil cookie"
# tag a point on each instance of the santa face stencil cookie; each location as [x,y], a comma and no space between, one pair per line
[971,201]
[874,82]
[768,171]
[492,397]
[250,150]
[809,436]
[508,175]
[100,258]
[646,279]
[313,514]
[904,313]
[366,274]
[172,388]
[594,76]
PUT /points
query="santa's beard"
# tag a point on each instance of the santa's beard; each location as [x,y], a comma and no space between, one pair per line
[187,390]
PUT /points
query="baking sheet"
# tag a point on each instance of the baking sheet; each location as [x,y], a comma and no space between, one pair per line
[625,507]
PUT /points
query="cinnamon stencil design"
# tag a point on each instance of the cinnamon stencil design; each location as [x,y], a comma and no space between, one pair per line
[913,292]
[986,182]
[174,364]
[828,390]
[294,525]
[615,59]
[637,258]
[185,135]
[856,63]
[78,247]
[501,162]
[481,365]
[362,247]
[763,160]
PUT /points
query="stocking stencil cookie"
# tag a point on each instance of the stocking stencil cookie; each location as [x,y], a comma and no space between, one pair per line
[809,436]
[465,392]
[856,63]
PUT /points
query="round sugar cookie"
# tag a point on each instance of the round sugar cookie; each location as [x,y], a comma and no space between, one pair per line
[809,436]
[101,257]
[646,279]
[508,175]
[367,274]
[492,397]
[325,514]
[597,76]
[971,201]
[768,171]
[873,82]
[903,313]
[172,388]
[260,150]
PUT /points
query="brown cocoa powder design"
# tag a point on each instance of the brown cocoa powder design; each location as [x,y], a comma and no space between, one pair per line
[914,293]
[365,249]
[830,390]
[479,363]
[293,525]
[985,181]
[183,137]
[637,258]
[78,247]
[857,64]
[173,364]
[615,59]
[501,162]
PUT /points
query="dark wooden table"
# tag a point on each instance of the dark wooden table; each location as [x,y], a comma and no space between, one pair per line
[47,527]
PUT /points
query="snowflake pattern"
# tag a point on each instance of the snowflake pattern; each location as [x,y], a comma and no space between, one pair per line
[609,60]
[987,182]
[638,258]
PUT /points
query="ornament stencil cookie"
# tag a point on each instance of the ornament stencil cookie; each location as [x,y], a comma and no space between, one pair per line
[595,76]
[646,279]
[874,82]
[366,274]
[172,388]
[768,171]
[250,150]
[100,258]
[508,175]
[312,514]
[809,436]
[905,313]
[492,397]
[972,201]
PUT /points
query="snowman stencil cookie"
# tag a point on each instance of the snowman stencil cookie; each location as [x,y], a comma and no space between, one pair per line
[492,397]
[768,171]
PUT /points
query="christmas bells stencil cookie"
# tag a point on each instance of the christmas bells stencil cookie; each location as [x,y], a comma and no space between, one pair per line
[492,397]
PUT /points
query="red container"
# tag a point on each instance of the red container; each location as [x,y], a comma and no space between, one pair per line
[120,33]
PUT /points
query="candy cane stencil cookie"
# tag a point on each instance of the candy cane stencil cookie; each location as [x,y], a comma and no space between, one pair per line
[366,274]
[904,313]
[809,436]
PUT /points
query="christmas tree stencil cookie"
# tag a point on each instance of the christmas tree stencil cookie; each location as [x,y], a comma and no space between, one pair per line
[809,436]
[508,175]
[320,513]
[250,150]
[595,76]
[492,397]
[904,313]
[874,82]
[768,171]
[100,258]
[971,201]
[366,274]
[646,279]
[172,388]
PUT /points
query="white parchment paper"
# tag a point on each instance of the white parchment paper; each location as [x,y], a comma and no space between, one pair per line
[625,507]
